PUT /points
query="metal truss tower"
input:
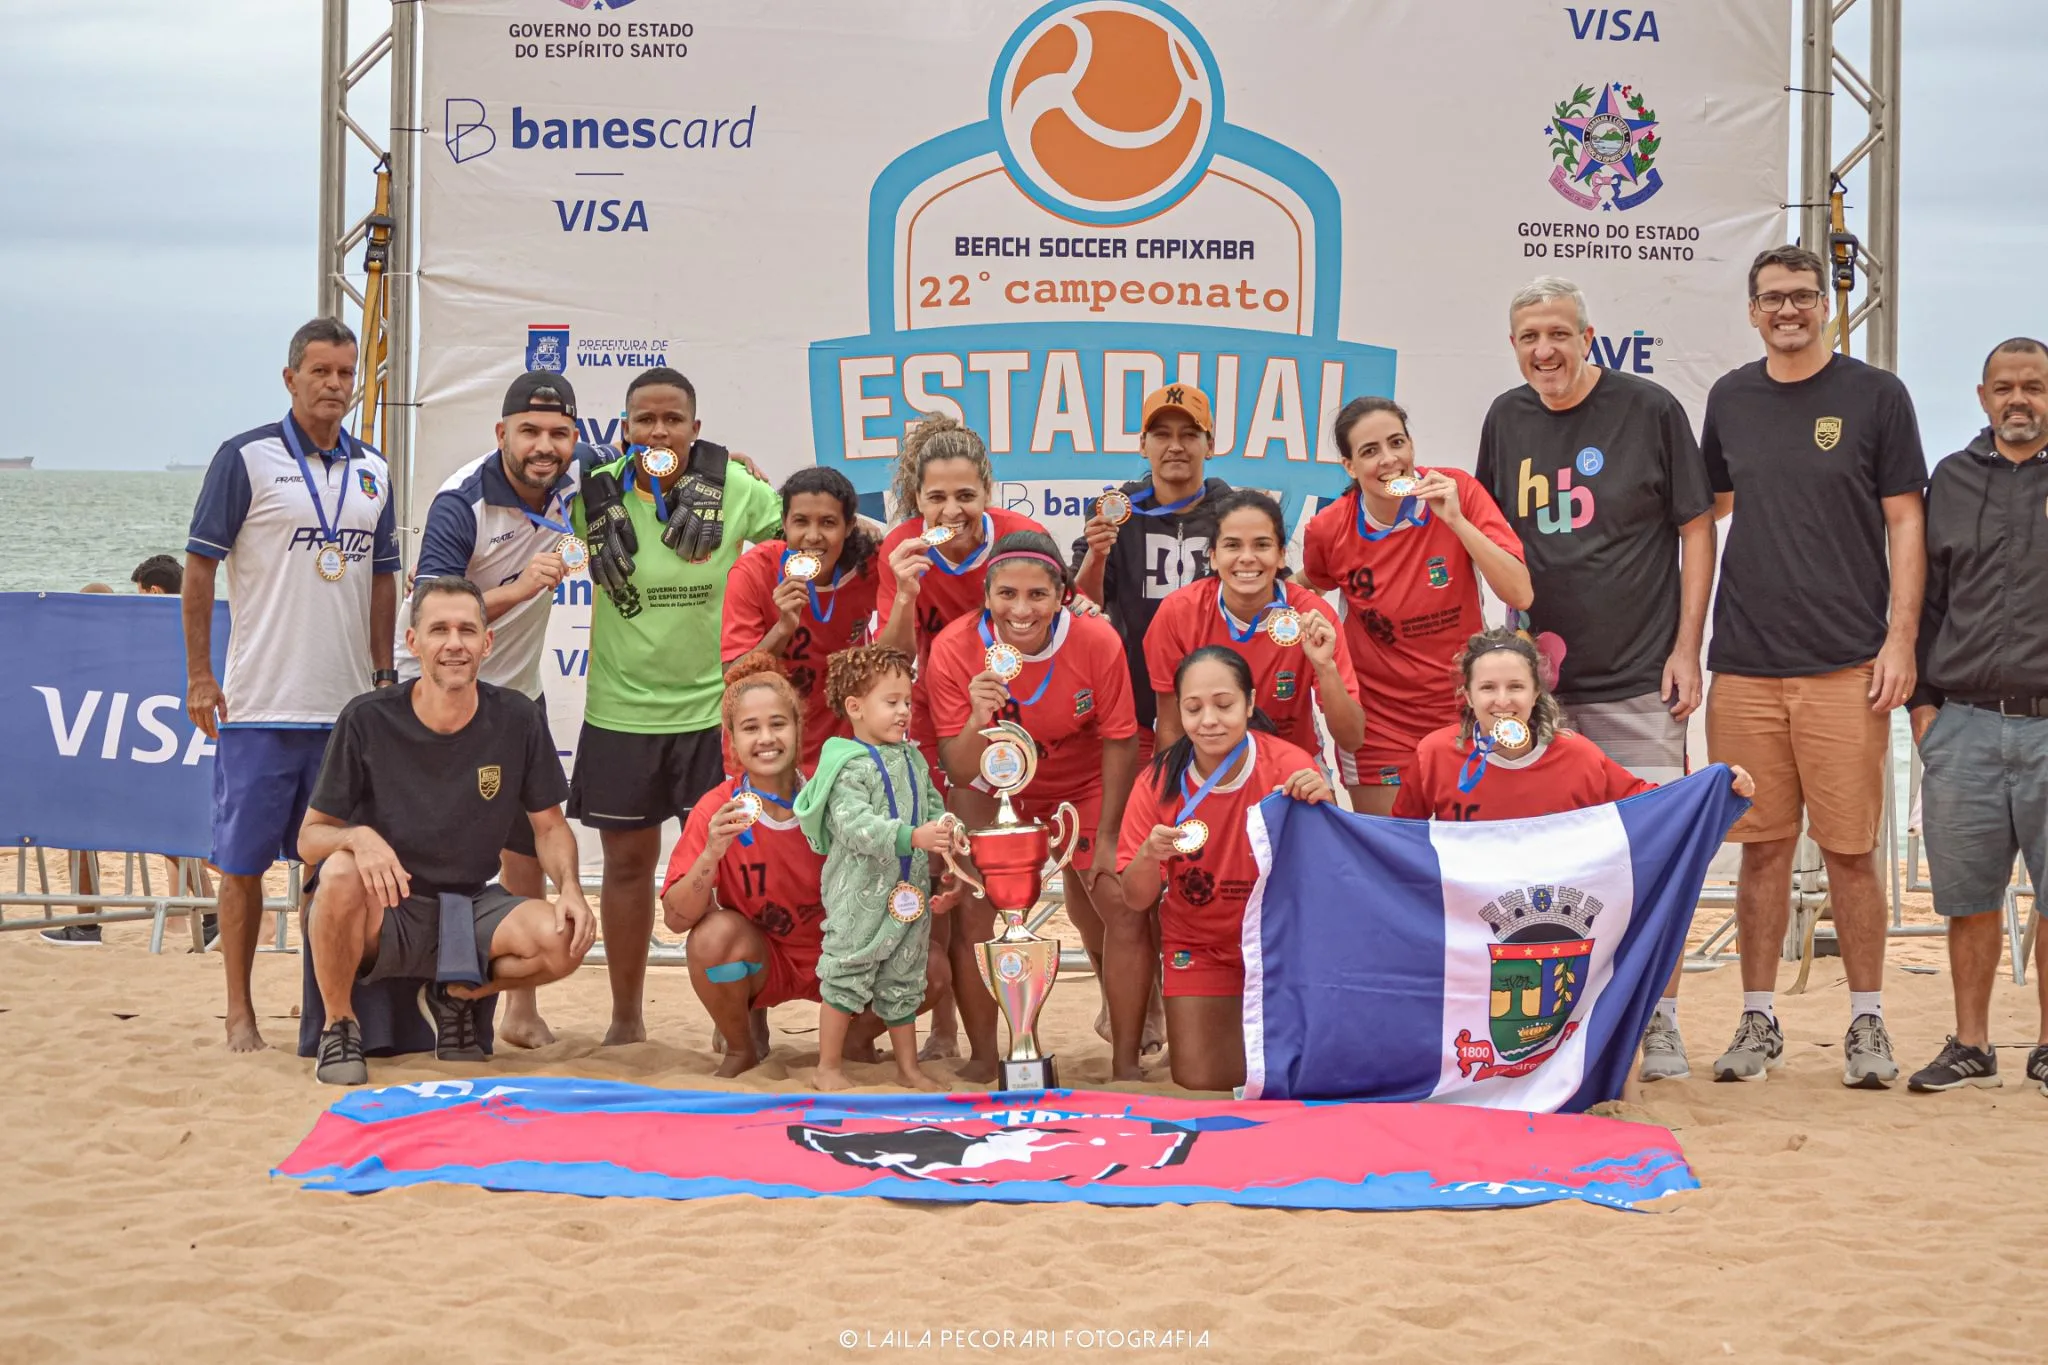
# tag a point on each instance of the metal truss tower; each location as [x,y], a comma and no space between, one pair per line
[383,303]
[1872,256]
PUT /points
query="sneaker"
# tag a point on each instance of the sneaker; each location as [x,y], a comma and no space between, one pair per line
[341,1055]
[1958,1065]
[1663,1052]
[74,936]
[454,1024]
[2037,1067]
[1759,1046]
[209,932]
[1867,1055]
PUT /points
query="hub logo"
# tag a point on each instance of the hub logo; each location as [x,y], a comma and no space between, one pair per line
[1631,352]
[1573,507]
[547,347]
[1604,152]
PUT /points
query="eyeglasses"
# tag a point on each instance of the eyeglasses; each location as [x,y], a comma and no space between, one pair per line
[1799,298]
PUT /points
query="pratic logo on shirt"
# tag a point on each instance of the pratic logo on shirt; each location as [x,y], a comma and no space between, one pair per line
[355,543]
[1104,230]
[1604,152]
[1600,24]
[1633,352]
[1572,507]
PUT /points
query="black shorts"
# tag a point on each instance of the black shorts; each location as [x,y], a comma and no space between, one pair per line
[409,944]
[627,781]
[520,838]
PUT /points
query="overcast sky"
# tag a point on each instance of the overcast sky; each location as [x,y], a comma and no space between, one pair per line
[160,167]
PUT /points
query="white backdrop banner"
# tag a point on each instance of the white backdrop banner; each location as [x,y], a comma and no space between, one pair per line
[834,214]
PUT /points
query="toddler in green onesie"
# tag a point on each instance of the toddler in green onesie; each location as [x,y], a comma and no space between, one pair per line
[873,812]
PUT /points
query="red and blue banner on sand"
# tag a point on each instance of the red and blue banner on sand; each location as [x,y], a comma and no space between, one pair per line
[568,1136]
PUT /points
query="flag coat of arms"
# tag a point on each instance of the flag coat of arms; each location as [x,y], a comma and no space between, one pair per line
[1506,963]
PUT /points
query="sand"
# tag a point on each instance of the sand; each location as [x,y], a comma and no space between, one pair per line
[138,1221]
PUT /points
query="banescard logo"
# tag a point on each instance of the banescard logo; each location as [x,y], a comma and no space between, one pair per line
[1102,232]
[1604,152]
[468,132]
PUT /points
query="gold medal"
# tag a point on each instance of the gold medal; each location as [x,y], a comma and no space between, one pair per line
[1004,661]
[329,564]
[659,462]
[936,535]
[1190,836]
[1283,627]
[906,903]
[575,554]
[803,566]
[1510,733]
[1403,486]
[749,804]
[1114,507]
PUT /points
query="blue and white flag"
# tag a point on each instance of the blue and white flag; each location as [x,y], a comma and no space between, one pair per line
[1505,963]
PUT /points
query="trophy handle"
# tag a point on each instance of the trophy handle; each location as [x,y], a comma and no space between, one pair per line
[1068,819]
[960,874]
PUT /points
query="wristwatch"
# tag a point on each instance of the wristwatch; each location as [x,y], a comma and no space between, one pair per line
[384,677]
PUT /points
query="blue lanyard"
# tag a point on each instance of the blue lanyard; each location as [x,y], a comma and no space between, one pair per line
[1166,509]
[1409,514]
[747,835]
[330,533]
[973,561]
[632,468]
[1474,766]
[1279,602]
[988,641]
[889,790]
[822,614]
[1201,794]
[556,500]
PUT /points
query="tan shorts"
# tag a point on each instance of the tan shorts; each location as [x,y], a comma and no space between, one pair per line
[1807,741]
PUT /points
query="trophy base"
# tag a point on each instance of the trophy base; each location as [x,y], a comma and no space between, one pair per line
[1036,1074]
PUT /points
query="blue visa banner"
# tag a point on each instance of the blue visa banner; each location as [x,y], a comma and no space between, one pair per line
[99,751]
[1511,964]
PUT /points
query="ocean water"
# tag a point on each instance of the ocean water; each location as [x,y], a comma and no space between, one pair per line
[67,528]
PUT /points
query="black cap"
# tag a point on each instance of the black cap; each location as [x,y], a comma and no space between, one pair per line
[540,391]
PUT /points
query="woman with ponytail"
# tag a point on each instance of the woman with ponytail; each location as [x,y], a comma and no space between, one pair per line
[806,596]
[1184,832]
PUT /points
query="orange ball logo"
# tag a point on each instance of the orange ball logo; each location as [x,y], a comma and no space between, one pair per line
[1106,108]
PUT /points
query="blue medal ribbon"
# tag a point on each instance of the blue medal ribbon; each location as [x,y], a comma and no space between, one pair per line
[1411,513]
[1474,766]
[330,532]
[1278,603]
[889,790]
[557,501]
[1151,494]
[988,641]
[632,468]
[1189,803]
[945,566]
[823,614]
[746,785]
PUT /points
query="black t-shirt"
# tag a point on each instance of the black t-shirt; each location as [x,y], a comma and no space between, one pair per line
[441,801]
[1805,584]
[1597,494]
[1153,556]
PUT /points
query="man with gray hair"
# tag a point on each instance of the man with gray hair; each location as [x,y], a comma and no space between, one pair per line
[1598,472]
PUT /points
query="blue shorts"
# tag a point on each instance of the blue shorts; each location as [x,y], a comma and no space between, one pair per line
[262,779]
[1983,802]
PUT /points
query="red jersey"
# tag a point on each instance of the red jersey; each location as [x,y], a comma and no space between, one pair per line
[1206,890]
[1568,773]
[750,614]
[1086,697]
[941,597]
[1285,681]
[774,882]
[1411,601]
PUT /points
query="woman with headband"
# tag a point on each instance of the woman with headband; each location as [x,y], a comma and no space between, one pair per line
[1027,658]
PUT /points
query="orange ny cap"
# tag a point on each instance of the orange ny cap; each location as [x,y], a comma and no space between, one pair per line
[1182,397]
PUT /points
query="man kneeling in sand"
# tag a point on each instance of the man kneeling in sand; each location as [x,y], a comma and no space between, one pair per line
[404,825]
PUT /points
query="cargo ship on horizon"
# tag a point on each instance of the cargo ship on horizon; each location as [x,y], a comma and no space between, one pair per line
[18,462]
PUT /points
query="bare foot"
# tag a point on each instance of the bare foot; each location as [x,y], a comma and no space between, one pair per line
[939,1047]
[625,1031]
[735,1063]
[757,1028]
[915,1077]
[243,1035]
[1127,1073]
[717,1038]
[977,1072]
[531,1032]
[834,1079]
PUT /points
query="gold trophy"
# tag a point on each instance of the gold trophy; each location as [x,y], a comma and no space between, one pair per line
[1018,966]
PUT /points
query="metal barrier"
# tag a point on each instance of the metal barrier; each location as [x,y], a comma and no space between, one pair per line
[131,903]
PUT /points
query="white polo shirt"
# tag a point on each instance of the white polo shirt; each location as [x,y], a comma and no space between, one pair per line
[299,646]
[479,528]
